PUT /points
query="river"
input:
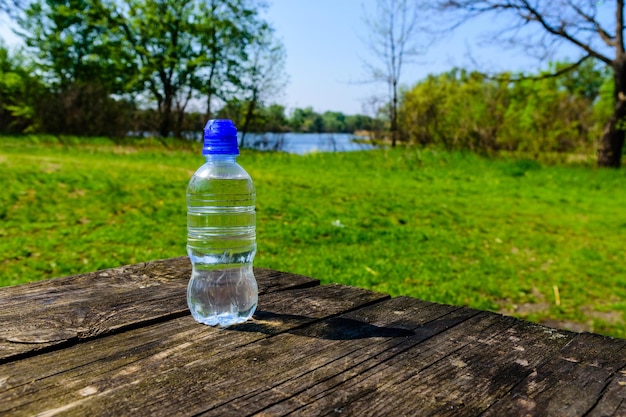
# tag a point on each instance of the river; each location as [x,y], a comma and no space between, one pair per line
[302,143]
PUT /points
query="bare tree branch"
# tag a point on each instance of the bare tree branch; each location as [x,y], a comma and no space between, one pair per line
[619,27]
[577,23]
[393,41]
[528,13]
[606,37]
[535,15]
[11,7]
[553,74]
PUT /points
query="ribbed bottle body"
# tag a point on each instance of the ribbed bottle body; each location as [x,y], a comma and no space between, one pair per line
[221,243]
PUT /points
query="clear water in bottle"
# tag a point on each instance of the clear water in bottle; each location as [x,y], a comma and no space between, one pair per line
[221,242]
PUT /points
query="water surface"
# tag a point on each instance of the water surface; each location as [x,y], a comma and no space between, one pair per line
[302,143]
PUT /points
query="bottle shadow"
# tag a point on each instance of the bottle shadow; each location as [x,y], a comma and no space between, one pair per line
[334,328]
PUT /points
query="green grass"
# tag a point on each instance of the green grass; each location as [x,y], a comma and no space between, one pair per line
[446,227]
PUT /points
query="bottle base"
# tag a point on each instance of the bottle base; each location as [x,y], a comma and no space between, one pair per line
[223,296]
[224,319]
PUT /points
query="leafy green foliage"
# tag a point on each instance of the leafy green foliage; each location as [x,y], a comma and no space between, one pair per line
[272,118]
[117,57]
[19,93]
[307,120]
[73,44]
[461,110]
[82,64]
[450,227]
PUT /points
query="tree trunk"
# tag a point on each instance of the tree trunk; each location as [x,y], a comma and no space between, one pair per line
[612,141]
[180,115]
[166,121]
[165,124]
[208,106]
[248,119]
[178,126]
[394,114]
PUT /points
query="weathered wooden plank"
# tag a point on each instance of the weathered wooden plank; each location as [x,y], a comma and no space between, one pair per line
[121,373]
[310,350]
[142,275]
[337,350]
[612,402]
[457,372]
[331,365]
[42,315]
[584,377]
[264,369]
[230,369]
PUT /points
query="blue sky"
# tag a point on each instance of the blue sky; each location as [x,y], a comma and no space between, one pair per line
[325,53]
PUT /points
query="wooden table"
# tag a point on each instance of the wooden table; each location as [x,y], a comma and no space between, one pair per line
[121,342]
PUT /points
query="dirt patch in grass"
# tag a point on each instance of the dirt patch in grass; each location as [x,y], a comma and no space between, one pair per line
[610,317]
[567,325]
[524,309]
[614,318]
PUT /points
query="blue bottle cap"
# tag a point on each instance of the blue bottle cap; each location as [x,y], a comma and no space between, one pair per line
[220,138]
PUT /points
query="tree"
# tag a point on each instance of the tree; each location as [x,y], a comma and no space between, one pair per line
[274,119]
[188,48]
[73,45]
[20,91]
[359,122]
[468,110]
[264,74]
[392,39]
[334,122]
[82,63]
[545,26]
[306,120]
[232,26]
[161,53]
[11,7]
[161,38]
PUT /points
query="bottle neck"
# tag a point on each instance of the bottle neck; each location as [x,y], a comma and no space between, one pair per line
[221,158]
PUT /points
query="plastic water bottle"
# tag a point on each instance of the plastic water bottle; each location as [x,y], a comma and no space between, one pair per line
[221,236]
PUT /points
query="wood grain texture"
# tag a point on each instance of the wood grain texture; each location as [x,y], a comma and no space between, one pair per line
[120,342]
[165,369]
[63,311]
[575,382]
[460,370]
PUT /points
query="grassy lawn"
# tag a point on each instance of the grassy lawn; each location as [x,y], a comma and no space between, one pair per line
[502,235]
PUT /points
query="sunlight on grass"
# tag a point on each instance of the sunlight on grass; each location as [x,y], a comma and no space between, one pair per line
[447,227]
